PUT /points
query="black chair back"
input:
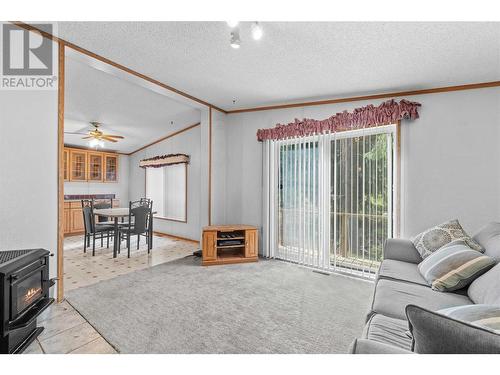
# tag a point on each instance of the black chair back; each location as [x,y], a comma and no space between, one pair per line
[102,205]
[88,216]
[148,201]
[140,212]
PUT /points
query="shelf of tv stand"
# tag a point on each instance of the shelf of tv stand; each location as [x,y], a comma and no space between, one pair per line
[230,246]
[214,254]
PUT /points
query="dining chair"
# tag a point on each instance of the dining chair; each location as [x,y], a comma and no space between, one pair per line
[103,204]
[138,224]
[91,228]
[150,222]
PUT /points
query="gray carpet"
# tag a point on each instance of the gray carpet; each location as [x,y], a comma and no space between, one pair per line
[265,307]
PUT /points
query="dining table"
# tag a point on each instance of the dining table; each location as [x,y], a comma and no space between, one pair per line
[120,213]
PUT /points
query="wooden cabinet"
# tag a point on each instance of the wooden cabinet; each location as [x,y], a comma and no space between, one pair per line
[78,165]
[67,218]
[110,168]
[225,244]
[209,245]
[93,166]
[251,246]
[76,220]
[66,164]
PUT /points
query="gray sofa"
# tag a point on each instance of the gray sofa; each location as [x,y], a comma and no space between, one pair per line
[399,283]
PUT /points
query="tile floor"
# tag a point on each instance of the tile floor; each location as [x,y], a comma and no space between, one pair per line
[66,331]
[82,269]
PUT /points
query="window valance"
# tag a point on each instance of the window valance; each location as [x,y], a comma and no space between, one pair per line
[364,117]
[164,160]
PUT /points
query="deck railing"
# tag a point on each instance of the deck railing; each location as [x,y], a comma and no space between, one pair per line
[356,239]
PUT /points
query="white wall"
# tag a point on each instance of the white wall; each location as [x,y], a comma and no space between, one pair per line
[188,143]
[219,160]
[28,171]
[120,188]
[450,159]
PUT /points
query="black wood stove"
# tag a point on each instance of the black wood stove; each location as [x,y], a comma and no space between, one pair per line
[24,294]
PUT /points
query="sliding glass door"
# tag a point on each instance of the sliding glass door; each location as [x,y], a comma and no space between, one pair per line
[335,198]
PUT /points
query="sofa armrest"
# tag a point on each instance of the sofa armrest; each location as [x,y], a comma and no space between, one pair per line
[364,346]
[400,249]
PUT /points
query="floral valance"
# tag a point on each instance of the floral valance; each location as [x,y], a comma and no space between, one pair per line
[364,117]
[164,160]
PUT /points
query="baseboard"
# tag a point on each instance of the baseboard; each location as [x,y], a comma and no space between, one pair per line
[161,234]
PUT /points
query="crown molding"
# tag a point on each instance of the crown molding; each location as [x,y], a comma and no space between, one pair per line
[436,90]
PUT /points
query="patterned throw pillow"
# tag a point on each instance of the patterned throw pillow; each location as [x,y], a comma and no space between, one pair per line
[485,316]
[433,239]
[454,266]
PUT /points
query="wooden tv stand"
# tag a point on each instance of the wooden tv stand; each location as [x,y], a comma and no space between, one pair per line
[227,244]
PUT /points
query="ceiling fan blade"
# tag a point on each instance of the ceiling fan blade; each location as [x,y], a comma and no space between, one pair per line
[109,139]
[75,133]
[113,136]
[88,137]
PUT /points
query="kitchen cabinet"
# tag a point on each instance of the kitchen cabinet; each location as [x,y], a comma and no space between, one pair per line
[78,165]
[110,168]
[66,164]
[95,166]
[87,165]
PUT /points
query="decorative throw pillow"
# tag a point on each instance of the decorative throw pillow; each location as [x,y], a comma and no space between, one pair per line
[434,238]
[435,333]
[454,266]
[484,316]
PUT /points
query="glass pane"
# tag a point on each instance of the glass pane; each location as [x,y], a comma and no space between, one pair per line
[360,200]
[298,214]
[110,168]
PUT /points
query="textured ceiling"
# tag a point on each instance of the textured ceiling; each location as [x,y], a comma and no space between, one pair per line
[296,60]
[124,108]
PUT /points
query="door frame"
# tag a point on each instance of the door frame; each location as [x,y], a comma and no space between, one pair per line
[60,174]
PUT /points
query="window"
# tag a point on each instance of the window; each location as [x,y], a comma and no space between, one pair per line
[335,198]
[167,187]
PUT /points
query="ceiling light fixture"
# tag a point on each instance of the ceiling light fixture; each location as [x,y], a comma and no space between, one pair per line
[257,31]
[232,24]
[235,39]
[96,143]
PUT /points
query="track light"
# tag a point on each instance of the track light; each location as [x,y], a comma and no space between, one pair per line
[257,31]
[232,24]
[235,39]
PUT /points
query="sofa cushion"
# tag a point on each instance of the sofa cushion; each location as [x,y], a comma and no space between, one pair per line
[401,249]
[489,238]
[485,316]
[403,271]
[434,238]
[434,333]
[364,346]
[454,266]
[387,330]
[486,289]
[391,298]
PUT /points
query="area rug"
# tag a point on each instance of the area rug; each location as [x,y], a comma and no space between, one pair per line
[265,307]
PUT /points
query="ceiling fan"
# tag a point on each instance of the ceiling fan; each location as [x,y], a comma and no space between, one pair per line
[97,137]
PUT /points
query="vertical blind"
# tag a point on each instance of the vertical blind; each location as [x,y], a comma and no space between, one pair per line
[329,199]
